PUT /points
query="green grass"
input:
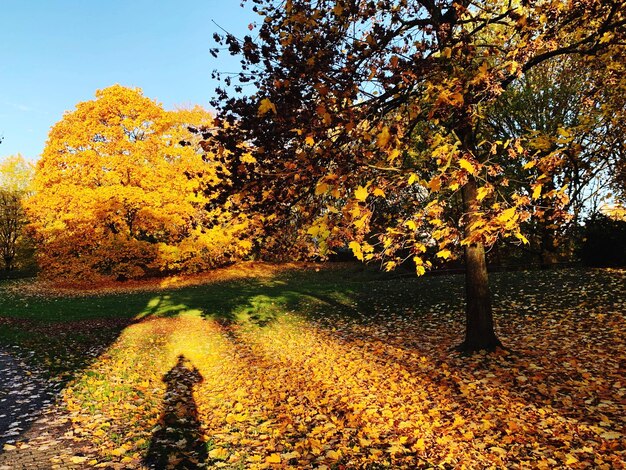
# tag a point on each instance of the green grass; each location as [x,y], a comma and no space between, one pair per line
[350,343]
[61,329]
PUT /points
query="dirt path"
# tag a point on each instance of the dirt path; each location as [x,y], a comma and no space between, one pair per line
[24,396]
[35,433]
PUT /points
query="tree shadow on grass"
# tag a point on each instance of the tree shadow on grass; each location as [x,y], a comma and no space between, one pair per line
[424,309]
[177,441]
[563,358]
[53,340]
[410,321]
[424,318]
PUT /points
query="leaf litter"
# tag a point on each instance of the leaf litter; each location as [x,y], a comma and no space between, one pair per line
[366,381]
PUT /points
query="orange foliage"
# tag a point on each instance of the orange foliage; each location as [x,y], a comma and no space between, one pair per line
[321,390]
[122,190]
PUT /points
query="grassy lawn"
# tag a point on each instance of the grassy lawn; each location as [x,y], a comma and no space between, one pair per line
[340,368]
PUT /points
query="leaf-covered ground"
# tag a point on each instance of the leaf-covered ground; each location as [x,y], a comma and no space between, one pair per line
[336,369]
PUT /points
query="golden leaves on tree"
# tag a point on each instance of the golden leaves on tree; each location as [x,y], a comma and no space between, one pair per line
[124,190]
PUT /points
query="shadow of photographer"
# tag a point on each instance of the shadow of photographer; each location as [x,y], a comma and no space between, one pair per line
[177,441]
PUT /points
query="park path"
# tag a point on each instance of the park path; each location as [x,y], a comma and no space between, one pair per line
[24,394]
[35,431]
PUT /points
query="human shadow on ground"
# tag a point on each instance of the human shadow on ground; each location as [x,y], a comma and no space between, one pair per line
[177,441]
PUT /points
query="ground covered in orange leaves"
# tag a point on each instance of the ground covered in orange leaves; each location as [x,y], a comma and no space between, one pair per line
[340,369]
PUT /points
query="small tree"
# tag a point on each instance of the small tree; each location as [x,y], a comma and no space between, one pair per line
[15,182]
[559,111]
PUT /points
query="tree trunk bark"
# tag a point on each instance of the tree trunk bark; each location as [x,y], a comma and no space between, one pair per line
[479,327]
[548,255]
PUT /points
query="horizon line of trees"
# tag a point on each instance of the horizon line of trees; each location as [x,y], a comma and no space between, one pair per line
[559,86]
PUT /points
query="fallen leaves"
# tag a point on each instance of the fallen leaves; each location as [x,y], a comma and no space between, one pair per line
[273,458]
[347,379]
[361,193]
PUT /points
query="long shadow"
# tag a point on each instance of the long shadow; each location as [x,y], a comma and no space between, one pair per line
[337,403]
[59,337]
[400,313]
[328,299]
[566,323]
[432,308]
[177,442]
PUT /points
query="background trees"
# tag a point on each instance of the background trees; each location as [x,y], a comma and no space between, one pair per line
[555,110]
[358,101]
[121,191]
[15,183]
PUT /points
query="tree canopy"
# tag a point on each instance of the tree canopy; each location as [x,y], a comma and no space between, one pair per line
[123,191]
[15,183]
[557,109]
[362,105]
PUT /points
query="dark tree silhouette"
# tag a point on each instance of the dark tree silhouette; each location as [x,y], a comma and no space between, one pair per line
[356,101]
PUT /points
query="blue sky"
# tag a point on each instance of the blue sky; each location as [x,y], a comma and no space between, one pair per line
[56,53]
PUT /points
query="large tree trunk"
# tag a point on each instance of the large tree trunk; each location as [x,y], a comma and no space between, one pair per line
[479,328]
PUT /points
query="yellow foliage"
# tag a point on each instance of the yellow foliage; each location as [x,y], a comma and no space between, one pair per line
[360,193]
[356,249]
[467,166]
[274,458]
[16,176]
[483,192]
[266,106]
[121,190]
[383,137]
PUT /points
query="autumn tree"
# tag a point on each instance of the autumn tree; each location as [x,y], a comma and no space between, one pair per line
[122,190]
[559,108]
[15,181]
[357,101]
[612,92]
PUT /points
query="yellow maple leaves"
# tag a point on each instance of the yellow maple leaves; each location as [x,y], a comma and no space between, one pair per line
[219,453]
[273,458]
[122,191]
[383,138]
[483,192]
[321,188]
[266,106]
[361,193]
[467,166]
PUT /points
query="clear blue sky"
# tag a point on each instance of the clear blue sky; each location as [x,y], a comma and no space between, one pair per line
[56,53]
